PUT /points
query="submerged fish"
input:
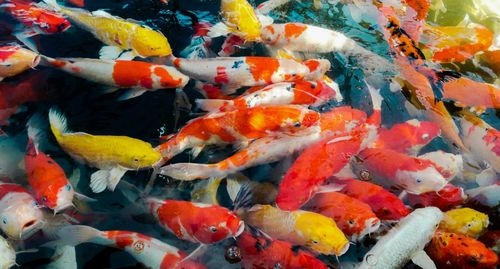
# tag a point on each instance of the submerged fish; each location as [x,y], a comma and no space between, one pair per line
[104,152]
[466,221]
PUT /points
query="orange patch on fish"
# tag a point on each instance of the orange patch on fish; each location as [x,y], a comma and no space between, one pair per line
[262,69]
[123,238]
[166,79]
[294,30]
[133,74]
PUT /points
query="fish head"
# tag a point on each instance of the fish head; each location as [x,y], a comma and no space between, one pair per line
[52,23]
[322,234]
[269,35]
[140,155]
[369,226]
[420,180]
[240,17]
[465,221]
[64,198]
[149,43]
[317,68]
[21,219]
[216,224]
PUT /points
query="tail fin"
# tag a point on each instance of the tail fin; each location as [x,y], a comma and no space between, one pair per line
[58,123]
[213,105]
[191,171]
[376,117]
[35,133]
[74,235]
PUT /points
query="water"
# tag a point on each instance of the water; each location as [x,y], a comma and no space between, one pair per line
[152,115]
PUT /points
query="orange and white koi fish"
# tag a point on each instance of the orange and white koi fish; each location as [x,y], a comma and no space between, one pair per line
[384,204]
[236,72]
[447,198]
[15,60]
[296,93]
[149,251]
[299,227]
[407,137]
[482,140]
[196,222]
[405,242]
[355,218]
[262,252]
[119,34]
[20,213]
[271,148]
[239,126]
[449,250]
[140,76]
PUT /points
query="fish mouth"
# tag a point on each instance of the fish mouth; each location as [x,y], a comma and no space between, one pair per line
[30,228]
[36,61]
[61,207]
[372,225]
[344,249]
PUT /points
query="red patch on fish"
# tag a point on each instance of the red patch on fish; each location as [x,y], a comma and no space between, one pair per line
[8,188]
[493,137]
[7,51]
[262,68]
[123,239]
[294,30]
[133,74]
[221,77]
[166,79]
[447,198]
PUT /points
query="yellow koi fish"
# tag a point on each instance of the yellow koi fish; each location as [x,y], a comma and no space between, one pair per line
[113,155]
[464,221]
[119,34]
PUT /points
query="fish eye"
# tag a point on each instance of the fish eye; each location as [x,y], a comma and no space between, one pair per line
[469,225]
[44,199]
[277,265]
[4,220]
[419,180]
[136,159]
[213,229]
[315,242]
[34,203]
[68,187]
[297,124]
[351,222]
[425,136]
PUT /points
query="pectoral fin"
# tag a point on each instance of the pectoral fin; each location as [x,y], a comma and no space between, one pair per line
[115,175]
[109,52]
[423,260]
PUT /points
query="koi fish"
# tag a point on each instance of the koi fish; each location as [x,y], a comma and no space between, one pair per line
[15,60]
[466,221]
[38,20]
[397,170]
[104,152]
[405,242]
[447,198]
[304,228]
[117,33]
[455,43]
[486,195]
[239,18]
[297,93]
[355,218]
[236,72]
[262,252]
[149,251]
[20,213]
[407,137]
[450,165]
[32,88]
[481,139]
[195,222]
[271,148]
[384,204]
[239,126]
[140,76]
[449,250]
[7,254]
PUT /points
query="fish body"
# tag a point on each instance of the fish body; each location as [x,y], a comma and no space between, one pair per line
[15,60]
[404,242]
[297,93]
[384,204]
[239,126]
[149,251]
[261,252]
[104,152]
[117,32]
[355,218]
[407,137]
[40,20]
[122,73]
[196,222]
[21,215]
[449,165]
[7,254]
[398,170]
[315,231]
[236,72]
[466,221]
[449,250]
[447,198]
[33,88]
[467,92]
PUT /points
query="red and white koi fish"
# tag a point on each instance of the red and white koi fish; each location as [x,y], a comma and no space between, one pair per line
[407,137]
[400,171]
[37,19]
[297,93]
[482,140]
[196,222]
[15,60]
[138,75]
[149,251]
[271,148]
[262,252]
[447,198]
[355,218]
[240,126]
[384,204]
[20,213]
[449,165]
[236,72]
